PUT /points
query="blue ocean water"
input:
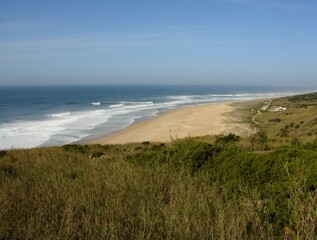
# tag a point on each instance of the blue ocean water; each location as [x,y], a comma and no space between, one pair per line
[46,116]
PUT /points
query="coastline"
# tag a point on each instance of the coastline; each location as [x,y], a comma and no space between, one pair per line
[193,121]
[67,115]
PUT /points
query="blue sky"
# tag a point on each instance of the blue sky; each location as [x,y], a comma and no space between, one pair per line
[237,42]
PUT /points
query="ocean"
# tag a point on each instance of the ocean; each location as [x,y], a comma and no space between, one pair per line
[49,116]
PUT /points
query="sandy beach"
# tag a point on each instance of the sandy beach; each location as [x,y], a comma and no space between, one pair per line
[211,119]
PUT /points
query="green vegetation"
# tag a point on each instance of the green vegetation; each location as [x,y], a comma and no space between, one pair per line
[259,187]
[298,120]
[185,190]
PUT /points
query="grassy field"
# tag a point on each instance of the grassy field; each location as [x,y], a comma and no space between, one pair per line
[259,187]
[299,120]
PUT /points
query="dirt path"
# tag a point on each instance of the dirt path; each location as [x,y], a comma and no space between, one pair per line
[265,107]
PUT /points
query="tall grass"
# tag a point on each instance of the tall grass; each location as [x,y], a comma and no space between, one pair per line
[61,193]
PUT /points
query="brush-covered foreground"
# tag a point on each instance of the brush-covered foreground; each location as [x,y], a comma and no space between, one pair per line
[225,187]
[185,190]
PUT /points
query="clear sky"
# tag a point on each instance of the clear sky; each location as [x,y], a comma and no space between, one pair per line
[247,42]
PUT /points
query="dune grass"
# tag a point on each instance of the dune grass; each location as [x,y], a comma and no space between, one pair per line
[185,190]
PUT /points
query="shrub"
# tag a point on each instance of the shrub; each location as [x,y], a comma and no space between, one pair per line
[275,120]
[284,132]
[225,139]
[76,148]
[259,141]
[191,154]
[182,154]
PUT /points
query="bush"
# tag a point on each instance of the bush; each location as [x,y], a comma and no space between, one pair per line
[225,139]
[76,148]
[184,154]
[275,120]
[191,154]
[259,141]
[284,132]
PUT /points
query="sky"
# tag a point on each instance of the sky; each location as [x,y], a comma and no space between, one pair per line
[201,42]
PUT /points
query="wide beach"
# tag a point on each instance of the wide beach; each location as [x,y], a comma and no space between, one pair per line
[65,115]
[211,119]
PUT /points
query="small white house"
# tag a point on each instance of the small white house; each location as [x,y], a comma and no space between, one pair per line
[277,109]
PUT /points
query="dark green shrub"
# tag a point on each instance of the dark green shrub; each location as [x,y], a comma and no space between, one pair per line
[149,156]
[225,139]
[275,120]
[259,141]
[191,154]
[76,148]
[183,154]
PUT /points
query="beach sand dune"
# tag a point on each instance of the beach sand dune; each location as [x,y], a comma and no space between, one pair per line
[194,121]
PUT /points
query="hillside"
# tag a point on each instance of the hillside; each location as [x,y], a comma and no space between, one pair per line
[262,186]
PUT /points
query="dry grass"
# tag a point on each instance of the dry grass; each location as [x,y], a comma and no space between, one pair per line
[298,121]
[53,193]
[49,194]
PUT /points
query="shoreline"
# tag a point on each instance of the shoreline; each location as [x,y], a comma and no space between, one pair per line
[192,121]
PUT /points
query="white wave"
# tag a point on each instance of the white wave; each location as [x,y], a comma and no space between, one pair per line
[96,103]
[155,113]
[59,115]
[133,120]
[27,134]
[137,103]
[184,97]
[221,95]
[116,105]
[126,107]
[66,127]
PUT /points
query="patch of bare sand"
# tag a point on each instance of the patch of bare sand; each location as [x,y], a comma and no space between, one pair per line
[194,121]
